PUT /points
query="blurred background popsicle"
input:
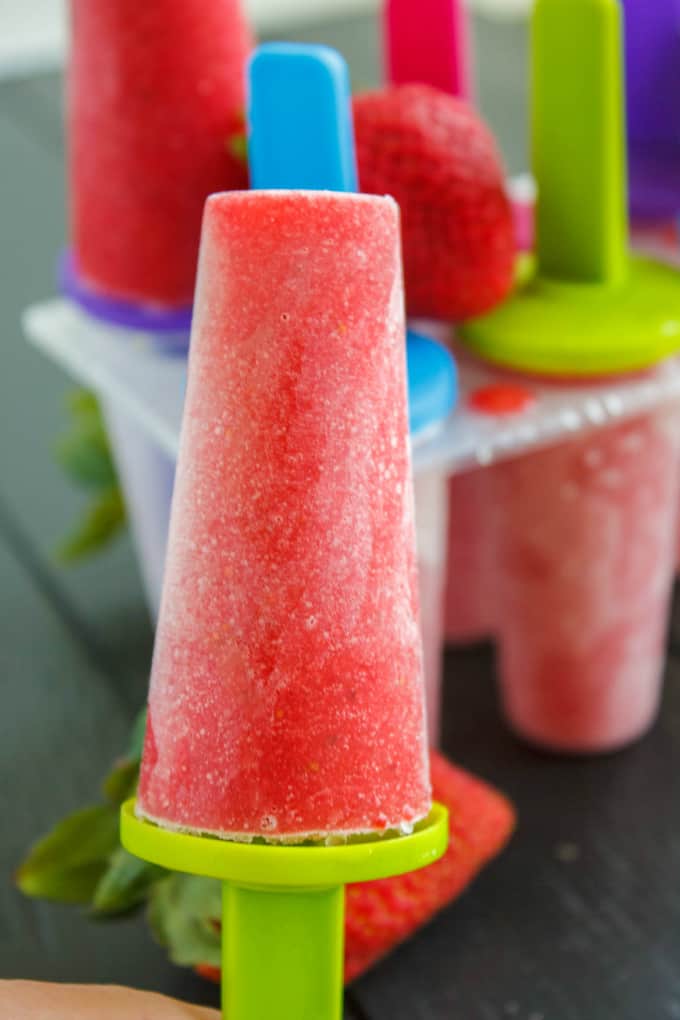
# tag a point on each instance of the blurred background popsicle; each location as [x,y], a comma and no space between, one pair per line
[428,42]
[155,107]
[584,552]
[582,611]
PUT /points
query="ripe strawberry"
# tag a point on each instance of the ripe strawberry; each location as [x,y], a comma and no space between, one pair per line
[434,155]
[382,914]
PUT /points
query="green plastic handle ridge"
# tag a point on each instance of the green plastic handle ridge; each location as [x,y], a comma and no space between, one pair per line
[578,133]
[282,953]
[284,907]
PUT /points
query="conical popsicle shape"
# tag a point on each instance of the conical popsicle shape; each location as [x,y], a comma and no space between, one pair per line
[155,96]
[286,695]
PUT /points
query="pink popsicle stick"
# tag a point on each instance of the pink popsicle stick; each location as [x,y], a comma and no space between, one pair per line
[427,41]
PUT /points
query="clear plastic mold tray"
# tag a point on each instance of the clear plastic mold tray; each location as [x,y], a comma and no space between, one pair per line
[127,368]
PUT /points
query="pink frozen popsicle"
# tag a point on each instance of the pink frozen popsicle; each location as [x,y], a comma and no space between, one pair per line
[287,687]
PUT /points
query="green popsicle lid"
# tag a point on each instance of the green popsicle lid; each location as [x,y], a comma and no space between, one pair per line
[280,865]
[587,307]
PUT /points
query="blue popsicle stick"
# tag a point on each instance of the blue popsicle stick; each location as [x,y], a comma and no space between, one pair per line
[432,382]
[301,133]
[301,137]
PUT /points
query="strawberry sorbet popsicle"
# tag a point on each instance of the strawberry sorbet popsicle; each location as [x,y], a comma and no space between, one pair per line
[287,695]
[155,93]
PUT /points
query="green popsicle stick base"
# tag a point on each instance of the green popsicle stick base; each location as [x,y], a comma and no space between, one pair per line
[281,866]
[570,330]
[283,908]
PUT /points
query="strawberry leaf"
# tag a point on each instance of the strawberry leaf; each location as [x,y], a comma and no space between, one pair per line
[104,519]
[85,456]
[84,451]
[83,404]
[137,738]
[121,782]
[68,863]
[125,885]
[184,913]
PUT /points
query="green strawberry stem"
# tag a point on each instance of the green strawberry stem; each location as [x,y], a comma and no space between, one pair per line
[238,147]
[81,861]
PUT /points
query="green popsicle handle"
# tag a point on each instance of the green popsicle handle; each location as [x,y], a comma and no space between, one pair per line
[283,907]
[282,953]
[579,141]
[588,308]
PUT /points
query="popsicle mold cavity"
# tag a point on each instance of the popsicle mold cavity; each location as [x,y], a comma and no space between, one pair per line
[286,697]
[585,556]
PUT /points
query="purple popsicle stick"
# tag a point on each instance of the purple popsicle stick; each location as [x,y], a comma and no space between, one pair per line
[652,31]
[169,329]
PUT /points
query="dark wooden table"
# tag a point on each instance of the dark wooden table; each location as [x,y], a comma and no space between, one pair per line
[579,920]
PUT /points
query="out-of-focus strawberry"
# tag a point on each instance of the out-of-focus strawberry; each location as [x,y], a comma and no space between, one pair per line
[382,914]
[438,159]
